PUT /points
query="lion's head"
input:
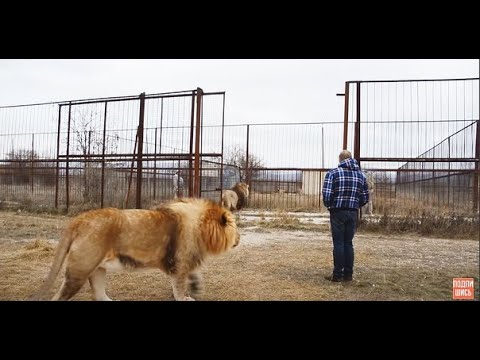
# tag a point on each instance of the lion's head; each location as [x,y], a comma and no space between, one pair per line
[217,226]
[219,229]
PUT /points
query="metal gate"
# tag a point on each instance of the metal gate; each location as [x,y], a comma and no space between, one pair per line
[136,150]
[418,140]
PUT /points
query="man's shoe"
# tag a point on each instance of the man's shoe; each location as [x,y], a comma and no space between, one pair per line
[347,278]
[333,278]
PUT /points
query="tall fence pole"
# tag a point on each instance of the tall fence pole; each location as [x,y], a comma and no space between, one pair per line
[448,177]
[247,156]
[141,120]
[127,195]
[221,161]
[356,144]
[67,165]
[155,167]
[198,124]
[31,164]
[102,196]
[476,175]
[356,140]
[190,164]
[159,146]
[345,117]
[57,169]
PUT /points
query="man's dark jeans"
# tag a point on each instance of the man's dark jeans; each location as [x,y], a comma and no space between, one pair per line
[343,223]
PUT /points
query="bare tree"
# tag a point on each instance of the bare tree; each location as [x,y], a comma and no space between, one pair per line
[19,168]
[88,141]
[236,156]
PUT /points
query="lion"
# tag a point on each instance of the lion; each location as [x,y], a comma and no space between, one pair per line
[175,237]
[371,190]
[236,197]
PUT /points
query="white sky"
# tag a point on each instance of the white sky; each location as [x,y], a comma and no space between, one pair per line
[257,90]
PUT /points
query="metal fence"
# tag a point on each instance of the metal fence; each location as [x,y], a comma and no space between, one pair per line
[417,140]
[123,151]
[284,164]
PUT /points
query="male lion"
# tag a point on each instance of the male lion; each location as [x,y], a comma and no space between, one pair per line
[236,197]
[175,237]
[371,190]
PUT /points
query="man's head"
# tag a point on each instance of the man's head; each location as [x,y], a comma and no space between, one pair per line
[345,154]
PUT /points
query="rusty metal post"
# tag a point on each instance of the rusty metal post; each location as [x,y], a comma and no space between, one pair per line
[87,164]
[155,167]
[196,183]
[31,168]
[247,153]
[448,178]
[127,195]
[433,180]
[221,158]
[161,131]
[320,173]
[103,156]
[57,171]
[141,120]
[201,150]
[356,144]
[476,175]
[67,165]
[190,165]
[345,117]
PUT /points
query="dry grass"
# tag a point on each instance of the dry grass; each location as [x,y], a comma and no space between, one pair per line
[425,221]
[269,264]
[285,221]
[404,205]
[292,202]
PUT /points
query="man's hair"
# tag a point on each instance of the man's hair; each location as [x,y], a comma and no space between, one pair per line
[345,154]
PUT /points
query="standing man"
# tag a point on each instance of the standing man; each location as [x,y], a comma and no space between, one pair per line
[345,191]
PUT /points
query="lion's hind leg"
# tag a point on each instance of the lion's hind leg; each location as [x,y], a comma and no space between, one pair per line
[82,263]
[71,285]
[97,282]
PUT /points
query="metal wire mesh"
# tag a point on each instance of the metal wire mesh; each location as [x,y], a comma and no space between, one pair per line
[418,142]
[89,153]
[427,129]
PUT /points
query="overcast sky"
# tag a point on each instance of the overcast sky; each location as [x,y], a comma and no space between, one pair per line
[257,90]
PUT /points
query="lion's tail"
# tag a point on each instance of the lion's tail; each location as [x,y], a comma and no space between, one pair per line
[58,260]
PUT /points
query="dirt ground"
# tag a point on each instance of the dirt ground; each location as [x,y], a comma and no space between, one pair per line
[269,264]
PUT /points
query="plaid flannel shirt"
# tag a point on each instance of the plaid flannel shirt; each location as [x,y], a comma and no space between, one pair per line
[345,187]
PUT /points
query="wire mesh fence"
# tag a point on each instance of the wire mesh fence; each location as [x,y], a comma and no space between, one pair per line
[417,141]
[122,152]
[286,162]
[28,139]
